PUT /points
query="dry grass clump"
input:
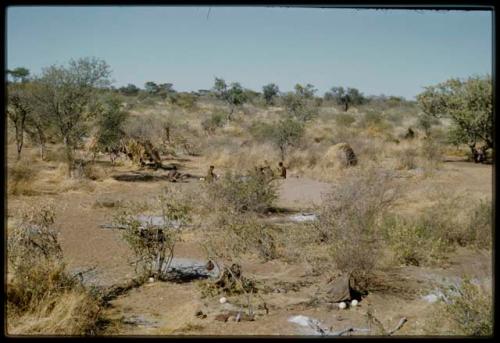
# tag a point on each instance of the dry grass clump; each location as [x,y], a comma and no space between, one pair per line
[432,152]
[20,178]
[94,172]
[406,159]
[42,298]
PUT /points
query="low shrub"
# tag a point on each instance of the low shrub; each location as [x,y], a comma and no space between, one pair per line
[469,307]
[216,120]
[480,226]
[20,178]
[406,159]
[253,192]
[344,119]
[412,242]
[432,151]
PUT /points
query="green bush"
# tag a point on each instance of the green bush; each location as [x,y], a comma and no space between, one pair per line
[183,100]
[480,225]
[344,119]
[412,242]
[216,120]
[253,192]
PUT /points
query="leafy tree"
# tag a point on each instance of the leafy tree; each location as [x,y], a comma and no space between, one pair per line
[110,123]
[301,104]
[151,87]
[19,108]
[234,96]
[39,128]
[269,91]
[346,98]
[469,104]
[165,90]
[129,89]
[287,133]
[220,88]
[284,134]
[306,92]
[19,74]
[68,97]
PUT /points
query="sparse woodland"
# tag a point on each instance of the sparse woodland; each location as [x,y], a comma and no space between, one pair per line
[402,200]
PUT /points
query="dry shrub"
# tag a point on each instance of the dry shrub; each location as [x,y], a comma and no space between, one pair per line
[406,159]
[432,152]
[42,298]
[93,172]
[467,309]
[20,178]
[448,218]
[349,219]
[153,245]
[234,235]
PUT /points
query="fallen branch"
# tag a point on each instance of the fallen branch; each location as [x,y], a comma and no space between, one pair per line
[400,324]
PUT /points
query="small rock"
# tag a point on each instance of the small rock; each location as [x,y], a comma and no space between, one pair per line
[342,305]
[223,300]
[354,303]
[151,280]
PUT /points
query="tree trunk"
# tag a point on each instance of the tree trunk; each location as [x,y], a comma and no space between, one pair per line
[69,156]
[346,106]
[167,131]
[282,152]
[19,141]
[42,151]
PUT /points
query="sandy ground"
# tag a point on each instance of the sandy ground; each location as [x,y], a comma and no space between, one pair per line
[169,308]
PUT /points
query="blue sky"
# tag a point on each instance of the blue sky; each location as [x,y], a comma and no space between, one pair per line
[378,52]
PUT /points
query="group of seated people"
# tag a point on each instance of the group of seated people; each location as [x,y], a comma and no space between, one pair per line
[174,175]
